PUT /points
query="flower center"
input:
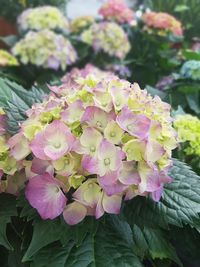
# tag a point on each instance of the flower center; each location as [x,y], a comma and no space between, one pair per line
[57,189]
[129,127]
[98,124]
[67,161]
[117,103]
[90,185]
[107,161]
[112,134]
[92,149]
[57,145]
[129,151]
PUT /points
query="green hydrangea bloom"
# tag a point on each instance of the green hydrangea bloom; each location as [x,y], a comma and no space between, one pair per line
[188,128]
[40,18]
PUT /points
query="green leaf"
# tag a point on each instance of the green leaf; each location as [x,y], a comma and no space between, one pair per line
[154,243]
[9,40]
[179,205]
[191,55]
[44,233]
[153,91]
[193,102]
[52,256]
[16,100]
[109,245]
[178,111]
[187,244]
[7,210]
[181,8]
[106,248]
[189,89]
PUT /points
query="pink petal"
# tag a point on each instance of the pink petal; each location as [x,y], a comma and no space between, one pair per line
[37,146]
[112,188]
[112,204]
[90,164]
[19,146]
[74,213]
[128,175]
[44,194]
[156,195]
[136,125]
[41,166]
[154,151]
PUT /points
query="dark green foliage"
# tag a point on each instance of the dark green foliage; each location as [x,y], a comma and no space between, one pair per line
[15,100]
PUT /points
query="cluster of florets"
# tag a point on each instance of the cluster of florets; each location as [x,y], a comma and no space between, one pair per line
[79,23]
[45,49]
[94,141]
[116,10]
[188,129]
[108,37]
[190,70]
[40,18]
[163,23]
[8,164]
[6,59]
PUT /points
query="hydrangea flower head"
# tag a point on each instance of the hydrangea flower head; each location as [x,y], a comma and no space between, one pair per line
[116,10]
[191,70]
[85,153]
[79,23]
[6,59]
[188,129]
[45,49]
[41,18]
[108,37]
[163,23]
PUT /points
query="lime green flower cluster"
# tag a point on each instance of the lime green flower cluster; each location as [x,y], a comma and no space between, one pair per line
[6,59]
[109,37]
[46,49]
[188,128]
[77,24]
[45,17]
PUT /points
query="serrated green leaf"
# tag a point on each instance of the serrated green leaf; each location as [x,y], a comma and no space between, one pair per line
[154,243]
[7,210]
[16,100]
[52,256]
[179,205]
[44,233]
[106,248]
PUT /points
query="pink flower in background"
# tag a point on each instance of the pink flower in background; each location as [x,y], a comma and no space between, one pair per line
[44,194]
[116,10]
[163,21]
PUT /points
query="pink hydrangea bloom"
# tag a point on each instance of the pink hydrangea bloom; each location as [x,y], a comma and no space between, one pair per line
[116,10]
[163,21]
[97,139]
